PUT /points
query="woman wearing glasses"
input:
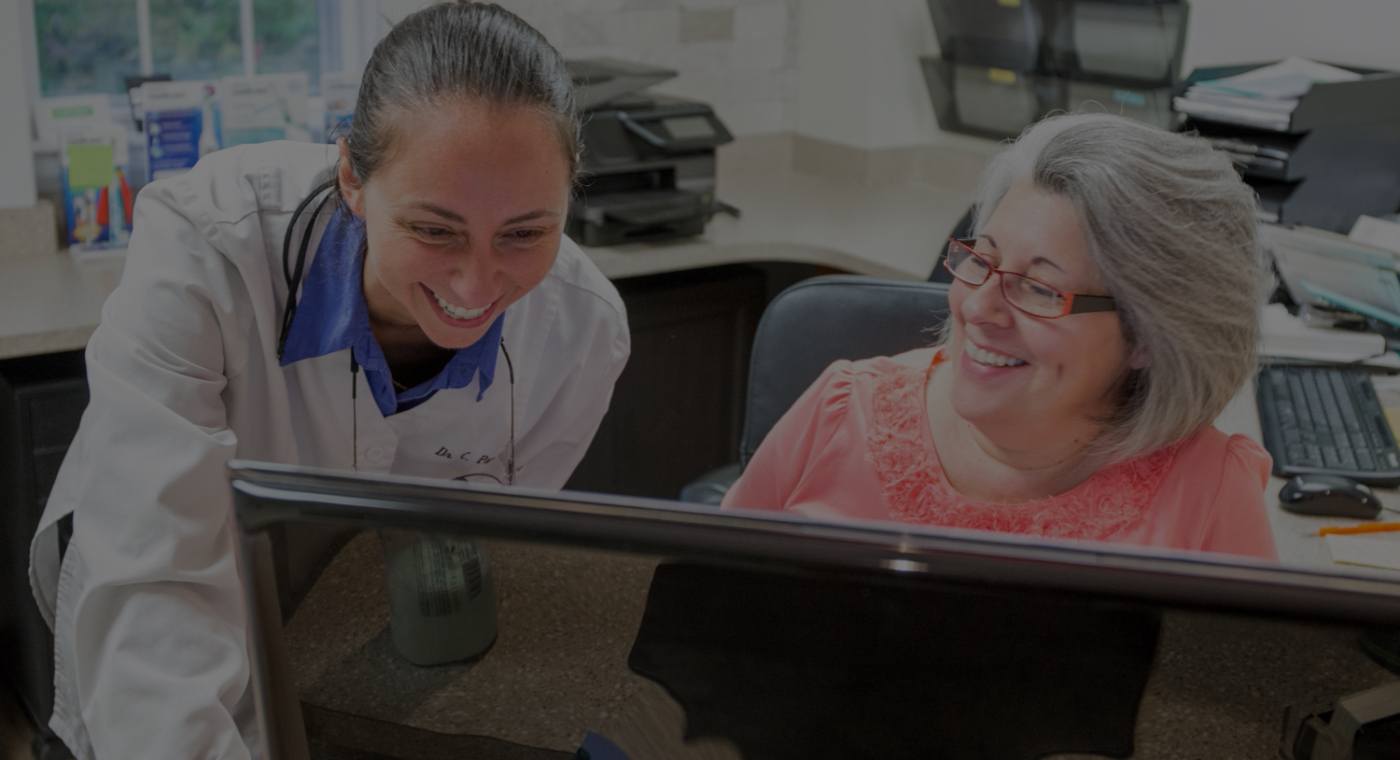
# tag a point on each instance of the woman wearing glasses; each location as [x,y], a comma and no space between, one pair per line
[1104,314]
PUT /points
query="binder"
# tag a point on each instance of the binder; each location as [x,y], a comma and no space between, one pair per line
[1004,64]
[987,101]
[1000,103]
[1140,41]
[1152,105]
[1003,34]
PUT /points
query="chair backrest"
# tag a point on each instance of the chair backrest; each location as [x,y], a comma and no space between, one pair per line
[818,321]
[962,229]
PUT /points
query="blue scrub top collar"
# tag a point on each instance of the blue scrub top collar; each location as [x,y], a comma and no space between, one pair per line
[332,316]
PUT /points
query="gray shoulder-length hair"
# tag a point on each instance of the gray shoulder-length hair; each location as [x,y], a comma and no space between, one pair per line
[1171,228]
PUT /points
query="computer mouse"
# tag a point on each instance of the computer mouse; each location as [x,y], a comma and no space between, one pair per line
[1329,496]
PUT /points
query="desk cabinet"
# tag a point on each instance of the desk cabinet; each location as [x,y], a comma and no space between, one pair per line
[678,408]
[42,399]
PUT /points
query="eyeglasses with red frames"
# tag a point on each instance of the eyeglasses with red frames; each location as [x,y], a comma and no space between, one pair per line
[1025,293]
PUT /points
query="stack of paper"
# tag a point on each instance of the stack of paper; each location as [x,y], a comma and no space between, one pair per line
[1325,270]
[1381,551]
[1263,98]
[1283,336]
[1382,233]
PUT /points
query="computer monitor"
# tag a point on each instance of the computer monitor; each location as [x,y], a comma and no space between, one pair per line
[640,628]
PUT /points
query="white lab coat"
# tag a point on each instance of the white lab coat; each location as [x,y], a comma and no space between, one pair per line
[149,619]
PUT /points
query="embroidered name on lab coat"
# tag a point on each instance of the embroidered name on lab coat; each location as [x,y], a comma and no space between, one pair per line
[465,456]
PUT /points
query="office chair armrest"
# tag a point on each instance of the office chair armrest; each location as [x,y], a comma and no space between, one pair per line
[711,487]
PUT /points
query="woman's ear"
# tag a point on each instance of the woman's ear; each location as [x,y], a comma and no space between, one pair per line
[351,191]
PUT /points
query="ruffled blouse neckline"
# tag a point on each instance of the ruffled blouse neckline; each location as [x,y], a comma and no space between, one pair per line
[906,461]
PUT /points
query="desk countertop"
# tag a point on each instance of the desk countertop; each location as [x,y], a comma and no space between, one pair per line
[1295,535]
[52,303]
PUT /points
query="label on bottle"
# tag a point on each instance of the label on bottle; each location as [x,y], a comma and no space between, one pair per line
[450,572]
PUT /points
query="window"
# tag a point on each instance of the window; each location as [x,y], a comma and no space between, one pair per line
[286,37]
[91,46]
[85,46]
[195,39]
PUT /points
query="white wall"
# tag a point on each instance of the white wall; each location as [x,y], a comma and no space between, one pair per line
[16,161]
[738,55]
[858,77]
[1357,32]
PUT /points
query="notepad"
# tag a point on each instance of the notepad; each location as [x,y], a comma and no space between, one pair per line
[1332,270]
[1381,233]
[1367,550]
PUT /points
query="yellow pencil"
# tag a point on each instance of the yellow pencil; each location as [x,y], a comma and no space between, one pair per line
[1346,530]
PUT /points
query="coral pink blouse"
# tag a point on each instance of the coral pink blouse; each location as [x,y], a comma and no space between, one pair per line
[857,444]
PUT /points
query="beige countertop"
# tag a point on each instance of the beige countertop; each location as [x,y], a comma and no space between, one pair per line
[51,303]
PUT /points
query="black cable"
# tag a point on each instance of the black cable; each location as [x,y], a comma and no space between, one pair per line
[292,278]
[510,455]
[354,412]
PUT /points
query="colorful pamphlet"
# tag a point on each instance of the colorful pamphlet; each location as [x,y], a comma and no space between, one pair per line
[262,108]
[181,123]
[97,198]
[53,115]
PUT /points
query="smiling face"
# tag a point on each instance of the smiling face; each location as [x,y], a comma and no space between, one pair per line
[461,221]
[1019,378]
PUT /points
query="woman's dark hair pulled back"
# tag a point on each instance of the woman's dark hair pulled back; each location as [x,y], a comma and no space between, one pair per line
[451,51]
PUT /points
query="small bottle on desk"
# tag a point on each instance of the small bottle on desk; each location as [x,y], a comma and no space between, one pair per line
[442,597]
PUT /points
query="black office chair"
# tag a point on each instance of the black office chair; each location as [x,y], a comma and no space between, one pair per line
[806,328]
[962,229]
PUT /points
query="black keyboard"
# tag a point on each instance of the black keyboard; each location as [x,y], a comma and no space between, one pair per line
[1326,420]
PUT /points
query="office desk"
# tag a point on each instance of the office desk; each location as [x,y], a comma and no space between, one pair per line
[559,668]
[1296,535]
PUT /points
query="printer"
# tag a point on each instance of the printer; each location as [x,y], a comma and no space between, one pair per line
[648,168]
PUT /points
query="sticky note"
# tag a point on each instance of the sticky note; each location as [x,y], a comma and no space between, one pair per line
[90,165]
[1368,551]
[1001,76]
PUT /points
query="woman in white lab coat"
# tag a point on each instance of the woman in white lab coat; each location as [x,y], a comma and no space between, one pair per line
[402,302]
